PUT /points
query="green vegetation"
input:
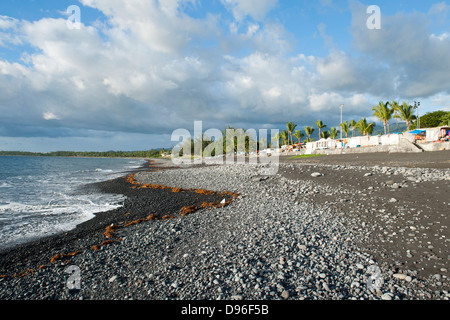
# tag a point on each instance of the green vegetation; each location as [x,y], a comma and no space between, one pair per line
[334,133]
[227,143]
[309,131]
[406,113]
[435,119]
[324,135]
[364,127]
[352,125]
[290,129]
[304,156]
[345,127]
[403,114]
[320,126]
[90,154]
[384,113]
[298,135]
[445,120]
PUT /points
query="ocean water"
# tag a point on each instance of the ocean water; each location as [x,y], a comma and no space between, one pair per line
[41,196]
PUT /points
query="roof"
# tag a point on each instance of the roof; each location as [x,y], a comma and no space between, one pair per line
[418,131]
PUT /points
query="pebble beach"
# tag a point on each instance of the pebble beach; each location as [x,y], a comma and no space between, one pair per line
[316,230]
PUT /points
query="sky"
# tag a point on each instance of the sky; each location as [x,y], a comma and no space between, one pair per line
[124,75]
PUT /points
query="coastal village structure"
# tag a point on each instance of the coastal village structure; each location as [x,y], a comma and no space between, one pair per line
[430,139]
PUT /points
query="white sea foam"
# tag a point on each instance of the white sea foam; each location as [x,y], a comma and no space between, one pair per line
[44,200]
[26,222]
[103,170]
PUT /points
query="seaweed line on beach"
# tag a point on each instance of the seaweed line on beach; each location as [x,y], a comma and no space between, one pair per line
[113,228]
[295,235]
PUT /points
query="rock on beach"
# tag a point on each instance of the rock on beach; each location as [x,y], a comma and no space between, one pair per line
[276,241]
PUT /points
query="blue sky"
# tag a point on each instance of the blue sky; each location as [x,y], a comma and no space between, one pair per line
[138,70]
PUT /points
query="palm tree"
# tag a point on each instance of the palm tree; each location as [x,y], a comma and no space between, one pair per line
[231,138]
[324,135]
[345,127]
[290,128]
[320,126]
[298,135]
[352,125]
[309,131]
[262,143]
[395,106]
[276,138]
[333,133]
[406,113]
[284,135]
[384,113]
[364,127]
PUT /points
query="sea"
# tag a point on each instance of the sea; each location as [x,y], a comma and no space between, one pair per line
[42,196]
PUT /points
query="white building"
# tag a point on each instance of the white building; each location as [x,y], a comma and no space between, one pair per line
[357,142]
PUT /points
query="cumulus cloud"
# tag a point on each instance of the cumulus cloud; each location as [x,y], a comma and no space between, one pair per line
[125,81]
[159,25]
[150,68]
[7,28]
[406,44]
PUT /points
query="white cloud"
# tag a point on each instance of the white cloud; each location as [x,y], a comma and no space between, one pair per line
[160,25]
[322,101]
[442,37]
[101,78]
[255,9]
[7,22]
[338,71]
[407,46]
[440,101]
[268,84]
[150,68]
[7,28]
[50,116]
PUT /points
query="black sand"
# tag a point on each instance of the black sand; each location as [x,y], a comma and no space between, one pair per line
[430,198]
[438,159]
[425,204]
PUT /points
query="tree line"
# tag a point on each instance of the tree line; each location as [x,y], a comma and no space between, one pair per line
[384,111]
[236,141]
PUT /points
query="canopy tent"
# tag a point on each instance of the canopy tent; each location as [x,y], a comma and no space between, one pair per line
[418,131]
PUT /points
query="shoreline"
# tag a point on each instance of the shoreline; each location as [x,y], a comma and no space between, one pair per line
[291,236]
[23,259]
